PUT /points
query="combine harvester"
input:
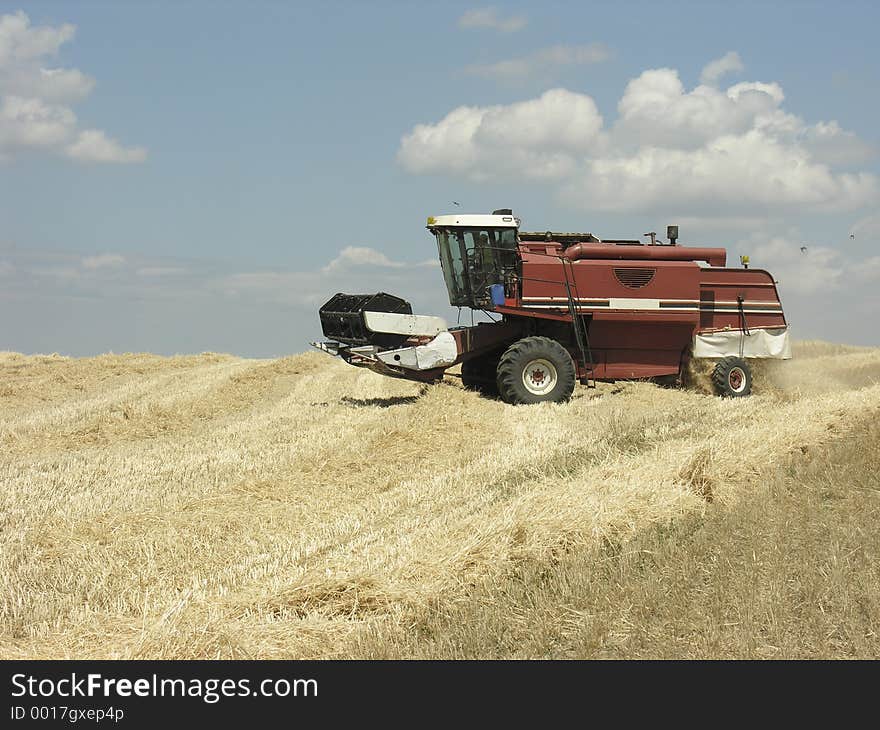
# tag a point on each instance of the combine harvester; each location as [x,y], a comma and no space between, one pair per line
[569,307]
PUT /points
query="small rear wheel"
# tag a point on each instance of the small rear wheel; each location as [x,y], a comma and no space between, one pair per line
[732,378]
[534,370]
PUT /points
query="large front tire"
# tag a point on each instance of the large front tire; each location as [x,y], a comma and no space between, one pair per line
[535,370]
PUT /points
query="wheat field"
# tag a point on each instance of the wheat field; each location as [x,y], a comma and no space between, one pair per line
[210,506]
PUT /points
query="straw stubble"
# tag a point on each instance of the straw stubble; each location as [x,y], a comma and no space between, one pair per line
[211,506]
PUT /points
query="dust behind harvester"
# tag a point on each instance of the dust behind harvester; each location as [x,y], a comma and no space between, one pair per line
[569,307]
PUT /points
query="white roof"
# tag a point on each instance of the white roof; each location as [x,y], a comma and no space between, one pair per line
[473,221]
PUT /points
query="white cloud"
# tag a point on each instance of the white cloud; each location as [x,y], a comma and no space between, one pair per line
[812,270]
[92,145]
[19,42]
[831,144]
[867,227]
[803,268]
[656,110]
[356,268]
[714,70]
[35,99]
[144,285]
[361,256]
[541,62]
[490,18]
[354,256]
[707,151]
[160,271]
[56,85]
[541,138]
[749,172]
[113,274]
[32,123]
[103,261]
[713,225]
[869,270]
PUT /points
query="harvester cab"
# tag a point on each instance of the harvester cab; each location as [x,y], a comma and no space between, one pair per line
[566,307]
[478,255]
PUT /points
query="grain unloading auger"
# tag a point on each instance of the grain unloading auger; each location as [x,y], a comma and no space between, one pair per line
[572,308]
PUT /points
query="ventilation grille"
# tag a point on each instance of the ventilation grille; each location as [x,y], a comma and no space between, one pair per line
[634,278]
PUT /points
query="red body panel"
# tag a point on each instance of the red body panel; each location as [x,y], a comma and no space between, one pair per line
[641,314]
[722,290]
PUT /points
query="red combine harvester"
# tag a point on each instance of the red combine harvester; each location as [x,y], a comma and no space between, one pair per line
[569,307]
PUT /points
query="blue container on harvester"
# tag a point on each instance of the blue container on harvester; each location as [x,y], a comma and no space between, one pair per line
[496,293]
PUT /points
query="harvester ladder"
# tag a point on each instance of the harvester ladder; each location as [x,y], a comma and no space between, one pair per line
[581,335]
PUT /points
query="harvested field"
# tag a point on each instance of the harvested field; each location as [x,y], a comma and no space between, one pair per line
[210,506]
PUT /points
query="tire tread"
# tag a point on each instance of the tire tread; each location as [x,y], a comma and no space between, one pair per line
[510,369]
[719,376]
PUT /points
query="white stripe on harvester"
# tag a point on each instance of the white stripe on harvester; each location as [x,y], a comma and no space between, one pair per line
[624,303]
[558,308]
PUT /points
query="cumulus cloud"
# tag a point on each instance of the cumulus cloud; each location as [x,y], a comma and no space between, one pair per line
[803,267]
[707,150]
[540,139]
[655,109]
[35,99]
[20,43]
[55,85]
[714,70]
[749,172]
[541,62]
[354,256]
[92,145]
[490,18]
[831,144]
[32,123]
[814,269]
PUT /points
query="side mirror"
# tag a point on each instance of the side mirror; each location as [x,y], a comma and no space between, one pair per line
[672,234]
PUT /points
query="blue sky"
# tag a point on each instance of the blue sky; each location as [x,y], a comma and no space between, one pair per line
[182,177]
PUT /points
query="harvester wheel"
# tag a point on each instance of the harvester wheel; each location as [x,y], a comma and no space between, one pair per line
[732,378]
[534,370]
[479,373]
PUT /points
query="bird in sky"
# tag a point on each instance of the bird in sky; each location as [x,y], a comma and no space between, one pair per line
[455,202]
[803,249]
[852,235]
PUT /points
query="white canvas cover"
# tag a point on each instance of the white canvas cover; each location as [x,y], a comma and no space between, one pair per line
[759,343]
[439,352]
[404,324]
